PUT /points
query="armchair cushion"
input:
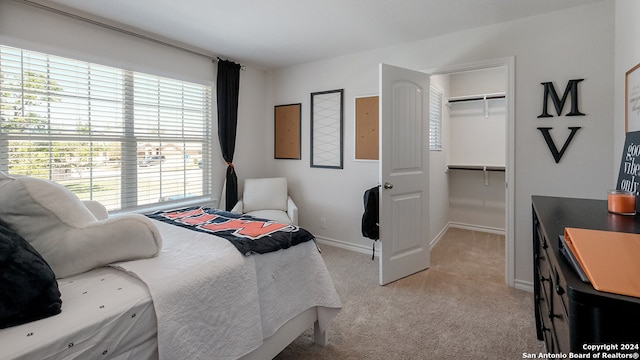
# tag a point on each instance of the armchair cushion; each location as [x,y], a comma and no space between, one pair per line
[264,194]
[290,216]
[274,215]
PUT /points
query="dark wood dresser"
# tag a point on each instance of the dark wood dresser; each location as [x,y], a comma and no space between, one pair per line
[571,314]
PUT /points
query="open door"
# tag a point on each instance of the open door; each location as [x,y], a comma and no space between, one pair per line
[404,172]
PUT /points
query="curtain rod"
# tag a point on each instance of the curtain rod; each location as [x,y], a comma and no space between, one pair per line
[118,29]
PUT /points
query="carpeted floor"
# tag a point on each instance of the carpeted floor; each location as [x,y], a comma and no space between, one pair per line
[460,308]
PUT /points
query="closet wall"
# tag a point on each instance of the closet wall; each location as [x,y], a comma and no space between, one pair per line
[477,148]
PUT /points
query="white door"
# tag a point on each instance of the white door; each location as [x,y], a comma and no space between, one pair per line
[404,172]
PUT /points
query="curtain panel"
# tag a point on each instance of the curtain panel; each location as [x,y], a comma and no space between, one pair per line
[228,86]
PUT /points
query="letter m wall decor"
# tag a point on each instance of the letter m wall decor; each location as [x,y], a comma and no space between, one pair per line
[550,92]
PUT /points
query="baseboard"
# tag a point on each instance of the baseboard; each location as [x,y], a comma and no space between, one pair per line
[438,237]
[367,249]
[518,284]
[481,228]
[348,246]
[523,285]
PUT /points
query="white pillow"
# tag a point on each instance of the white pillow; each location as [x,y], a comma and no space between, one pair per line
[67,235]
[264,194]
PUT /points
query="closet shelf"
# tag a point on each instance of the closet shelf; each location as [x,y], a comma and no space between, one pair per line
[483,168]
[481,97]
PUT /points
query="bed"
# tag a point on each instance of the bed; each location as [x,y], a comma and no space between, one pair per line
[199,298]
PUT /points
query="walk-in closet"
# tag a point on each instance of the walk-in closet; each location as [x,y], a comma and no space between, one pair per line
[474,116]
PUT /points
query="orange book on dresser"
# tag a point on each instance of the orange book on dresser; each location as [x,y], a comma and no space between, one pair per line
[610,259]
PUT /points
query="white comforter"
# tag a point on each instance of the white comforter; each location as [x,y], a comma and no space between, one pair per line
[211,302]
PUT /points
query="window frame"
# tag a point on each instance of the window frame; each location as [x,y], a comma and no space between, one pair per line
[128,139]
[435,118]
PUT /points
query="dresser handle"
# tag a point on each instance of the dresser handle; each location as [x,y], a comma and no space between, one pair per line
[552,315]
[543,279]
[544,244]
[559,290]
[544,328]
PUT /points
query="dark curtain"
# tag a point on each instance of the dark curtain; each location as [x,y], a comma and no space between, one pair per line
[228,86]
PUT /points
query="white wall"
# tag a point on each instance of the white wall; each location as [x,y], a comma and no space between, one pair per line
[40,30]
[36,29]
[556,47]
[478,138]
[627,55]
[439,211]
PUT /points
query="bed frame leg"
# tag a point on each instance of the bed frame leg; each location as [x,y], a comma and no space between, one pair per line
[319,337]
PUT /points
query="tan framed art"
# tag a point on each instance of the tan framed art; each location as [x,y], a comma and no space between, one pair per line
[287,131]
[632,99]
[367,136]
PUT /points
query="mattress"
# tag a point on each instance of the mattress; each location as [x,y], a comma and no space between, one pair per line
[108,313]
[105,313]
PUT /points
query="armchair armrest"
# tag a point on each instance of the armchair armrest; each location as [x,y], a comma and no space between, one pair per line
[292,210]
[237,208]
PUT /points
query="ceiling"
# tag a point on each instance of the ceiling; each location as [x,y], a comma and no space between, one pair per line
[279,33]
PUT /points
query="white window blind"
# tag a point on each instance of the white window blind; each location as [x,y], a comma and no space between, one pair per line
[123,138]
[435,119]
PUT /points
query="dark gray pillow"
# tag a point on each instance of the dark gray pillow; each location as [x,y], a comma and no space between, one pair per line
[29,290]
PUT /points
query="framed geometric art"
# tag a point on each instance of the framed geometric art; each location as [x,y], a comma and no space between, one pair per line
[287,131]
[326,129]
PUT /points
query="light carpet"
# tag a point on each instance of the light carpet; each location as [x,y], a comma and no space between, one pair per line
[460,308]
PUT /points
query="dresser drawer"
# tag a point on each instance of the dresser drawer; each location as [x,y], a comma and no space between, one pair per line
[558,314]
[546,326]
[560,292]
[544,276]
[561,332]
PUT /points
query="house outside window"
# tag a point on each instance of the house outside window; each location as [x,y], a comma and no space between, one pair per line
[126,139]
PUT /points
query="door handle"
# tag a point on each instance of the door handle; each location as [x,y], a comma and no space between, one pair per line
[388,185]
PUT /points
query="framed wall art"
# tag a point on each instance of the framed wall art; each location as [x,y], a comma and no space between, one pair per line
[327,129]
[287,131]
[632,99]
[367,134]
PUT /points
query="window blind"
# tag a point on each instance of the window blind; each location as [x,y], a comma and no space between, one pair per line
[124,138]
[435,119]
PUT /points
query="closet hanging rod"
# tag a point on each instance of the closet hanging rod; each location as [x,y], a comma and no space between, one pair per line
[482,97]
[476,167]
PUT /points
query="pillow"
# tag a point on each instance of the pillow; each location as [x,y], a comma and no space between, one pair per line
[29,287]
[97,209]
[264,194]
[67,235]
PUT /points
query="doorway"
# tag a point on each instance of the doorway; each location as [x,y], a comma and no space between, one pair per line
[476,165]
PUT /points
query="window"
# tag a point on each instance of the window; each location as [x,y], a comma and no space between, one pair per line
[435,119]
[123,138]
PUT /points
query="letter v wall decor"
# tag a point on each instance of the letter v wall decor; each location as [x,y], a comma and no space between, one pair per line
[550,92]
[326,129]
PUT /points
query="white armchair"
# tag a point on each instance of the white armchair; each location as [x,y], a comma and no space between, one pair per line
[267,198]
